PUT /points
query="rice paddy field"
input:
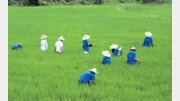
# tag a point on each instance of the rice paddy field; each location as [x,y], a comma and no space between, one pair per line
[34,75]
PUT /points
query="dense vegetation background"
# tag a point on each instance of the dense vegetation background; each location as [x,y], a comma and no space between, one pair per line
[84,2]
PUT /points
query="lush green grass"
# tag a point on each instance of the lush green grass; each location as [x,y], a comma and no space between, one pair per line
[48,76]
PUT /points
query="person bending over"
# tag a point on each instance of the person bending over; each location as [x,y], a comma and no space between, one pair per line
[106,58]
[16,46]
[115,51]
[88,76]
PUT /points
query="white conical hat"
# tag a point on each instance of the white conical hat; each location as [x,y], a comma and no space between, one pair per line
[43,36]
[113,46]
[61,38]
[149,34]
[133,48]
[85,37]
[94,70]
[106,53]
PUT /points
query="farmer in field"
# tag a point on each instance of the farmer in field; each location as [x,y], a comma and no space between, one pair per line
[131,57]
[87,76]
[148,40]
[86,44]
[44,44]
[115,51]
[106,58]
[16,46]
[59,45]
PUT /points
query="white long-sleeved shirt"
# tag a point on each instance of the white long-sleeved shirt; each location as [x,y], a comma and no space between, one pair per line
[58,46]
[44,45]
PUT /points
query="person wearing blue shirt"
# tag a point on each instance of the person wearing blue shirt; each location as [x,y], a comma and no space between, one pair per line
[115,51]
[148,40]
[86,44]
[16,46]
[131,57]
[87,76]
[106,58]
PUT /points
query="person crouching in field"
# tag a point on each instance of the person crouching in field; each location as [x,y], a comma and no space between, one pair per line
[59,45]
[131,57]
[148,40]
[16,46]
[106,58]
[115,51]
[86,45]
[44,44]
[87,76]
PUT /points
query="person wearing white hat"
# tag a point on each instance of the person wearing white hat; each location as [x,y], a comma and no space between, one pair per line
[115,51]
[131,57]
[148,40]
[106,58]
[86,44]
[44,44]
[87,76]
[59,45]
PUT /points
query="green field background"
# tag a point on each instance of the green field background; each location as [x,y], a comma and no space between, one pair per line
[34,75]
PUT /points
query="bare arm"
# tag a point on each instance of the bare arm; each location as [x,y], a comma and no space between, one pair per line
[152,44]
[62,49]
[137,60]
[93,82]
[127,61]
[121,52]
[21,45]
[55,48]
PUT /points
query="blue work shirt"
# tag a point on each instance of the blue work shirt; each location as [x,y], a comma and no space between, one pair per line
[147,41]
[131,55]
[85,46]
[16,46]
[106,60]
[116,51]
[86,77]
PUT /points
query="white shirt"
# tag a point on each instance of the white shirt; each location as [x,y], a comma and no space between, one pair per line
[44,45]
[58,46]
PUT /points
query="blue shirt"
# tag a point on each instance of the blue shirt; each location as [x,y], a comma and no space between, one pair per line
[85,46]
[147,41]
[86,77]
[131,55]
[16,46]
[116,51]
[106,60]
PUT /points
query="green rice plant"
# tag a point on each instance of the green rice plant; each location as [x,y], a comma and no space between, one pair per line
[34,75]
